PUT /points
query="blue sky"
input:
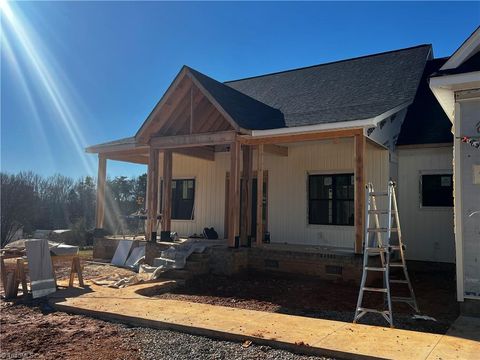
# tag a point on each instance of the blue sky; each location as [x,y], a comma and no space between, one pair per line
[91,72]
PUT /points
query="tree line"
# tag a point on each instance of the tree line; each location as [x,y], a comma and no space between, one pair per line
[33,202]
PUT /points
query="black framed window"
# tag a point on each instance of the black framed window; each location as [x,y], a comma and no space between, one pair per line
[437,190]
[331,199]
[183,199]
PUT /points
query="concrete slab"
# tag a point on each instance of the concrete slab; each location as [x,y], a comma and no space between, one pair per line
[462,341]
[301,334]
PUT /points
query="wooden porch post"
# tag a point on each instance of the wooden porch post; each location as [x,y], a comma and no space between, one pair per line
[259,235]
[152,190]
[359,141]
[234,194]
[101,178]
[167,191]
[246,220]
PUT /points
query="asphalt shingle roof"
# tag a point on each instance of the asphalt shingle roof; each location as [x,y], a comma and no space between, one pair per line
[425,121]
[347,90]
[247,112]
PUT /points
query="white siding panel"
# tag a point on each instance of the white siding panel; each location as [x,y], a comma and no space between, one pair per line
[427,232]
[287,190]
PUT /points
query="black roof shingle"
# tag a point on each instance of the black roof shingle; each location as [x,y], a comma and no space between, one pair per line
[425,121]
[347,90]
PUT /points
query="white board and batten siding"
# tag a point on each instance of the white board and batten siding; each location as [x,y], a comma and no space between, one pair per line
[287,190]
[427,231]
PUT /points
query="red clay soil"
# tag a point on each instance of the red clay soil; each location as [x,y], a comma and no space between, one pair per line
[33,330]
[300,295]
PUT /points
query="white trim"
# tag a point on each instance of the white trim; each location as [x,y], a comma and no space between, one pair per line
[365,123]
[444,87]
[463,81]
[457,202]
[464,52]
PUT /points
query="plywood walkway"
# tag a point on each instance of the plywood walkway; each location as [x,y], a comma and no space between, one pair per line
[307,335]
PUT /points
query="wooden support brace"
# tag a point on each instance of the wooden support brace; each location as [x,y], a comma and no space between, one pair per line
[260,230]
[234,194]
[76,269]
[167,190]
[152,191]
[101,180]
[246,204]
[359,140]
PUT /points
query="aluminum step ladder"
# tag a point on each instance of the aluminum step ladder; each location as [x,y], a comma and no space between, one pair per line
[386,250]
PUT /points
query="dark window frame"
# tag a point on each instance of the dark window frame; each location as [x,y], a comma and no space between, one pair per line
[334,202]
[433,194]
[176,192]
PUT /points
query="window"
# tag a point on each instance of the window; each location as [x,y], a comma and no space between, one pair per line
[331,199]
[437,190]
[183,196]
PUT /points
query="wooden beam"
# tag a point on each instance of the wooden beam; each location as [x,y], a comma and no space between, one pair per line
[152,205]
[276,149]
[137,159]
[234,194]
[297,137]
[191,110]
[194,140]
[204,153]
[215,103]
[165,107]
[359,191]
[246,204]
[260,230]
[167,190]
[101,180]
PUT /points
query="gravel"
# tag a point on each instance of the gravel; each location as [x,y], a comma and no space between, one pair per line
[171,345]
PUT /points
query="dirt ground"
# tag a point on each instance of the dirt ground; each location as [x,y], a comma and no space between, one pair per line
[299,295]
[32,329]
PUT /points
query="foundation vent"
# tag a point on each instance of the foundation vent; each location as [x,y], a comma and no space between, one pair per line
[333,269]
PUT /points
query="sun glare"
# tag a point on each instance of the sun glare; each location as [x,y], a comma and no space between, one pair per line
[33,54]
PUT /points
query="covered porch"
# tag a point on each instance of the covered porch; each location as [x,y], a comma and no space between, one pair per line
[252,186]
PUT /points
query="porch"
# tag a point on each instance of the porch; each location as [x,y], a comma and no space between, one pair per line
[254,187]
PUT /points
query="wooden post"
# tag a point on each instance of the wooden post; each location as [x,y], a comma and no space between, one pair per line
[359,141]
[167,191]
[152,190]
[246,220]
[260,230]
[234,194]
[101,179]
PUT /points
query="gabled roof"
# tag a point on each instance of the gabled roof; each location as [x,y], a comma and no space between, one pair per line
[348,90]
[468,48]
[425,121]
[247,112]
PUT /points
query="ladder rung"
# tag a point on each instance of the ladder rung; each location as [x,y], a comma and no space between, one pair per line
[381,229]
[373,310]
[397,247]
[398,281]
[369,268]
[396,264]
[380,211]
[402,299]
[376,249]
[383,290]
[379,193]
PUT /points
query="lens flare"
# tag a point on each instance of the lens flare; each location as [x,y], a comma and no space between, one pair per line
[57,95]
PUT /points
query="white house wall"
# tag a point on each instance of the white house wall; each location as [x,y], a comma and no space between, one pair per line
[287,190]
[427,232]
[468,202]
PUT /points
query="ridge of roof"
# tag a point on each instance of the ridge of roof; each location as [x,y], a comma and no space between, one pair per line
[328,63]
